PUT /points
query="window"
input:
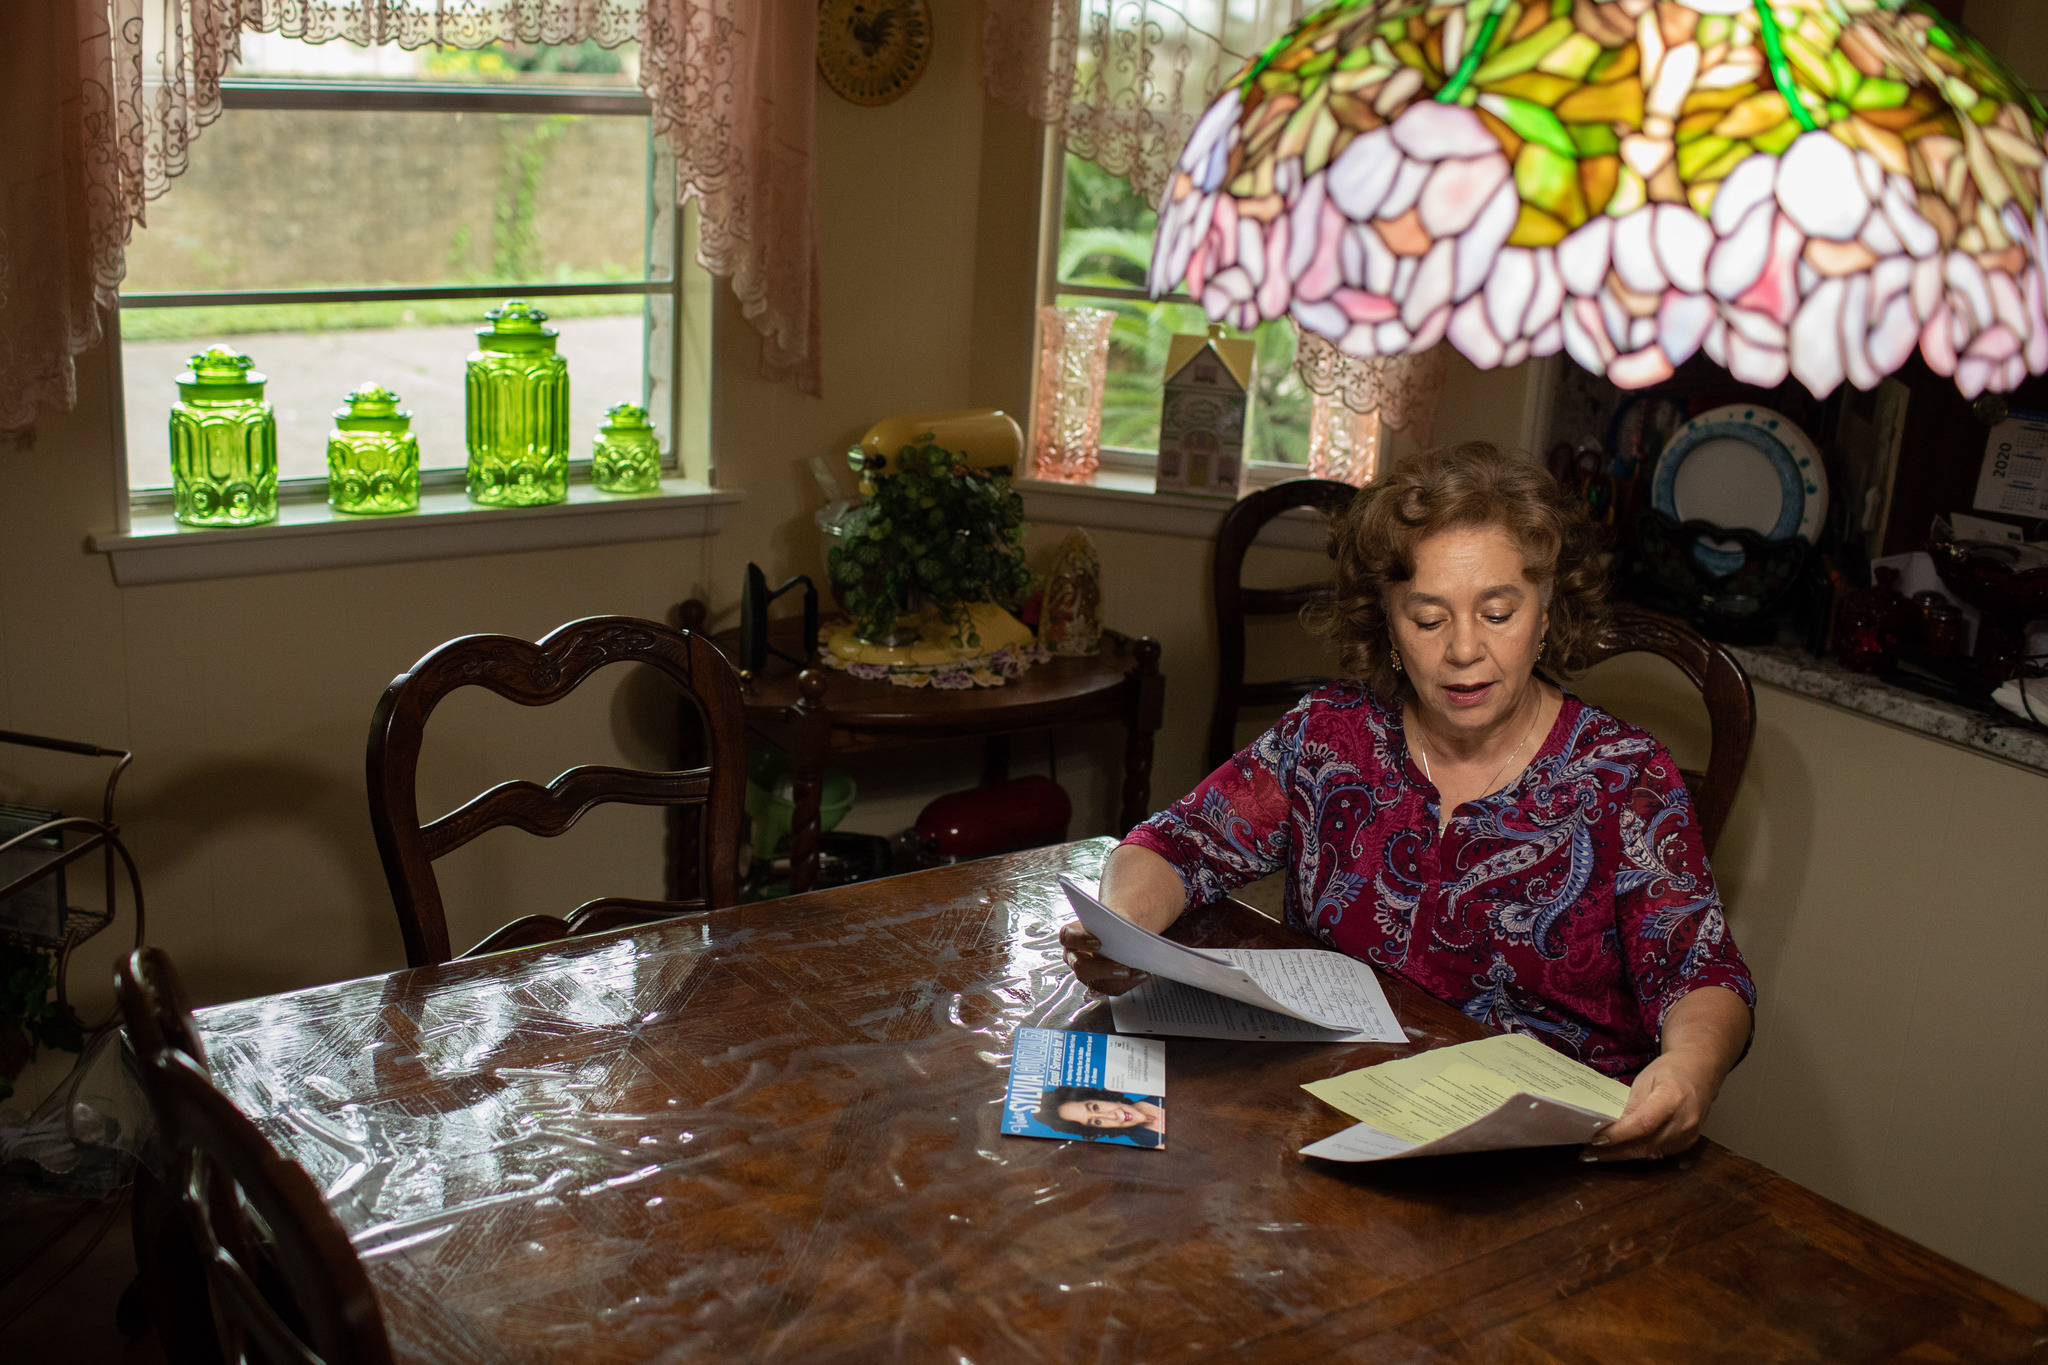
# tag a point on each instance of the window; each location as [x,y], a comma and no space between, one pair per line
[1105,244]
[353,213]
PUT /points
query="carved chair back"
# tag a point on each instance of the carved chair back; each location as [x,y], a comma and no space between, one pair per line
[1723,685]
[1234,602]
[536,674]
[298,1295]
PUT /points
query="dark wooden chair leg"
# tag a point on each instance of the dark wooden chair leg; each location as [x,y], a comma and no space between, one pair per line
[685,873]
[813,741]
[1144,707]
[171,1275]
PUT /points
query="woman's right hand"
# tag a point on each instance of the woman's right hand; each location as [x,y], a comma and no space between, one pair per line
[1142,887]
[1096,972]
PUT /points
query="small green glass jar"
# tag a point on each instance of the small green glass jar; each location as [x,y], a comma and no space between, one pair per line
[627,457]
[373,459]
[223,444]
[518,411]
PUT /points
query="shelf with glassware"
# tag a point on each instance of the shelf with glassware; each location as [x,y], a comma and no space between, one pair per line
[223,435]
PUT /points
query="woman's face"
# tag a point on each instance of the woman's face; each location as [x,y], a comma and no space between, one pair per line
[1101,1114]
[1468,625]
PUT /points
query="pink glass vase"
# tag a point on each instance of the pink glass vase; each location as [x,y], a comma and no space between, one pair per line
[1342,444]
[1073,359]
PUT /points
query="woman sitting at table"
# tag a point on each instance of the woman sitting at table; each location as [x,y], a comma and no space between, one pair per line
[1453,819]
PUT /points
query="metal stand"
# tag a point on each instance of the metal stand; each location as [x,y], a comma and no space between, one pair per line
[102,835]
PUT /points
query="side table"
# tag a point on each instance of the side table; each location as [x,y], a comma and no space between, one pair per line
[813,713]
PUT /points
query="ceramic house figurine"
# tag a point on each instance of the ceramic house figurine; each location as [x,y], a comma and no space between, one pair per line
[1204,414]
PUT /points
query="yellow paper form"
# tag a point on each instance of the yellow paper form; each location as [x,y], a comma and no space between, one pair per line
[1422,1098]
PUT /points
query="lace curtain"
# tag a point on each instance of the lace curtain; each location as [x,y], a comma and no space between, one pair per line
[109,114]
[61,228]
[1125,82]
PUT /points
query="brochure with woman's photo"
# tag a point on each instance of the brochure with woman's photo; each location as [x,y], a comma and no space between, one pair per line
[1093,1087]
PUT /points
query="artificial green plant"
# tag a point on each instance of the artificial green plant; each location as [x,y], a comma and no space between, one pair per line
[930,525]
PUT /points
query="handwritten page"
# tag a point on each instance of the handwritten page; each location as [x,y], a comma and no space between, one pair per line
[1497,1093]
[1333,994]
[1169,1007]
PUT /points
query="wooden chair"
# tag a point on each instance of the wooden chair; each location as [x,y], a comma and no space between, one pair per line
[536,675]
[297,1295]
[1241,526]
[1723,685]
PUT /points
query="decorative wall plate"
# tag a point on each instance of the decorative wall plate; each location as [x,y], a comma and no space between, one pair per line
[1743,467]
[872,51]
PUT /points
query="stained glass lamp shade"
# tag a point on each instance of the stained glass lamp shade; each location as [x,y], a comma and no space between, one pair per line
[1805,187]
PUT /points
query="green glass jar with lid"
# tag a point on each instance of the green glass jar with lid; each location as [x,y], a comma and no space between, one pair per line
[373,459]
[627,457]
[517,395]
[223,444]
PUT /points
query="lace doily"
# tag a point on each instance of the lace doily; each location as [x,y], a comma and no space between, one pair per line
[988,670]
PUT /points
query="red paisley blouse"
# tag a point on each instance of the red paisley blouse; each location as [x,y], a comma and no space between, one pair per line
[1574,905]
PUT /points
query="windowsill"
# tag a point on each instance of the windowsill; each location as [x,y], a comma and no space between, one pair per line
[309,534]
[1123,500]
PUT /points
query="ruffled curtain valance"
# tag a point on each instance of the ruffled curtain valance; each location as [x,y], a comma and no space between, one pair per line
[1125,82]
[106,97]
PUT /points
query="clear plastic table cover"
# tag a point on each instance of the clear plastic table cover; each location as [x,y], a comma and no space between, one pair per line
[770,1133]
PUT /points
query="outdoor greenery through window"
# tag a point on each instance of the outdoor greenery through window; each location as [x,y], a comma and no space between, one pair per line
[353,213]
[1105,245]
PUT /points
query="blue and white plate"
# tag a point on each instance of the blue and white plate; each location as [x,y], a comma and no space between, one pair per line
[1741,466]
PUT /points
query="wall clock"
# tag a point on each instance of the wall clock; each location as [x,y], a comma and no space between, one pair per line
[872,51]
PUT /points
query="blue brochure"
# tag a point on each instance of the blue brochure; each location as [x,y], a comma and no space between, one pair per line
[1091,1087]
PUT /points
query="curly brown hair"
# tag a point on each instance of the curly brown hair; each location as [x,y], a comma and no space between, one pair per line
[1471,485]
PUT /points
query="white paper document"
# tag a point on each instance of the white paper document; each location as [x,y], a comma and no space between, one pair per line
[1491,1095]
[1272,994]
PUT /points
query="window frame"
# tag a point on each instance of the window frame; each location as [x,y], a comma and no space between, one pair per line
[316,94]
[1126,466]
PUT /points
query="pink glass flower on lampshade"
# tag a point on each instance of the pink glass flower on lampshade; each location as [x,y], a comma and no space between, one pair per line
[1803,187]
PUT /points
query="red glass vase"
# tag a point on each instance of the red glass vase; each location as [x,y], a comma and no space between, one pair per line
[1869,625]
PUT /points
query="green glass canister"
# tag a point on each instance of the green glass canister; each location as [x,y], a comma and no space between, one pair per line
[518,411]
[223,444]
[627,457]
[373,459]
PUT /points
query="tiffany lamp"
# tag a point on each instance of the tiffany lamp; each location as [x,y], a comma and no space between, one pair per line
[1805,187]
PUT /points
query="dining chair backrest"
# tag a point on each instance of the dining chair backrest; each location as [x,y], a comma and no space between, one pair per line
[299,1294]
[1234,602]
[536,674]
[1724,687]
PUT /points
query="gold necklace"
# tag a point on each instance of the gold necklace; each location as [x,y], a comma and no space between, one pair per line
[1423,753]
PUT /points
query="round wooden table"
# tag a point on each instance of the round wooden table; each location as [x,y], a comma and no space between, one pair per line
[815,712]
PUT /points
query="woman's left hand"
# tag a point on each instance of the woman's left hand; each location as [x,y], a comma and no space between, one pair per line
[1704,1036]
[1665,1109]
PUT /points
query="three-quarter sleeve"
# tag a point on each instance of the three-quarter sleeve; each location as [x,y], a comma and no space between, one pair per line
[1667,909]
[1236,827]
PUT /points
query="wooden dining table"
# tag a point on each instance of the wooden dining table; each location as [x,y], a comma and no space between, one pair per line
[771,1133]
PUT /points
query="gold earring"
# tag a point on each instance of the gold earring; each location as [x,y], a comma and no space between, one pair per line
[1397,660]
[1541,645]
